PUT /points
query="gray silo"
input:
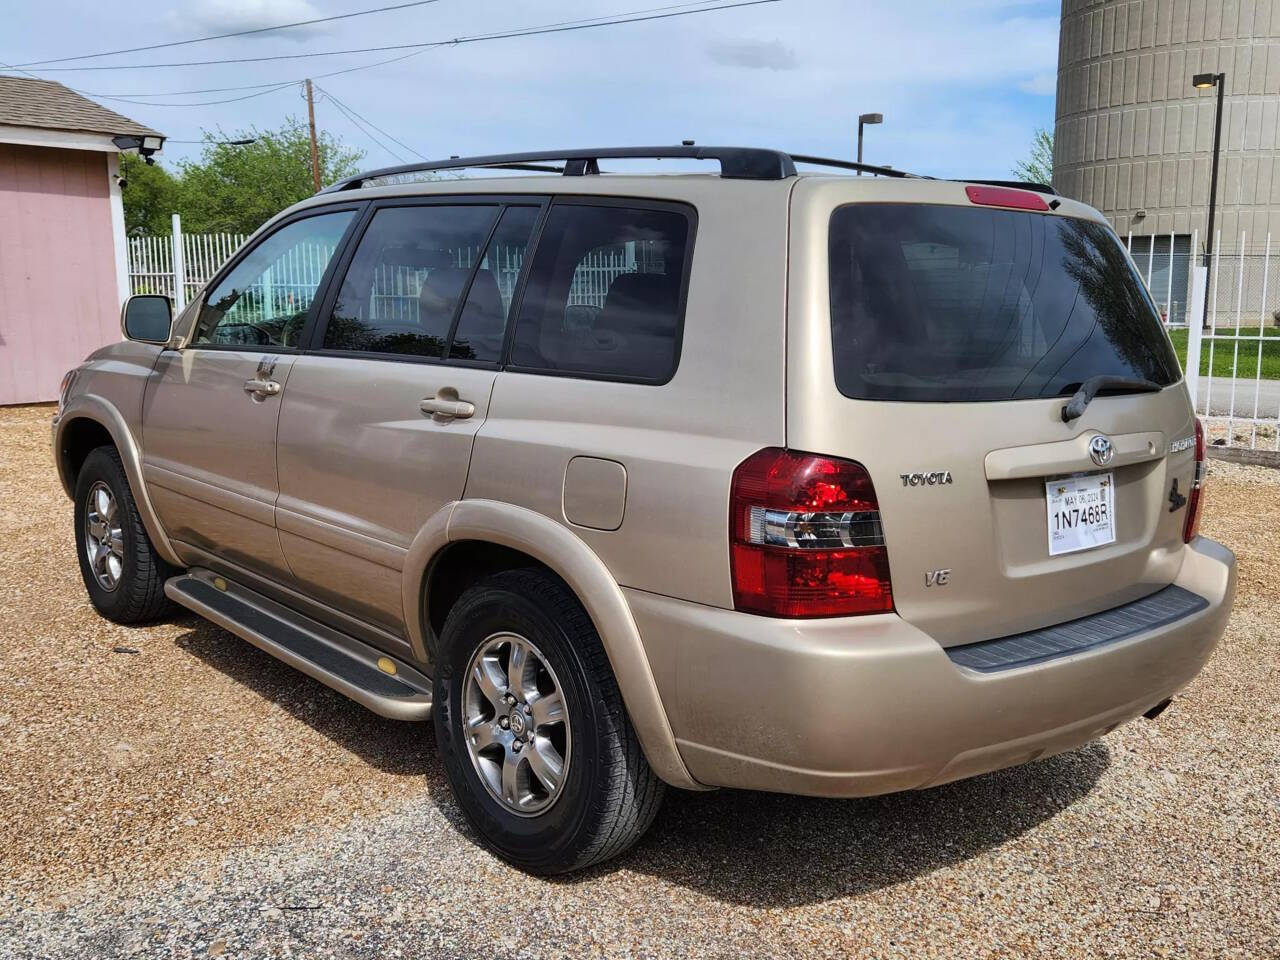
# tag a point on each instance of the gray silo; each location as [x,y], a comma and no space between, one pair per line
[1134,138]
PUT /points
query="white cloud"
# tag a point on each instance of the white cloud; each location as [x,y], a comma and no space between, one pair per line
[950,77]
[229,16]
[753,55]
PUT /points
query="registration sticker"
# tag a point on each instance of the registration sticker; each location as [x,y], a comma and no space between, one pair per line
[1082,512]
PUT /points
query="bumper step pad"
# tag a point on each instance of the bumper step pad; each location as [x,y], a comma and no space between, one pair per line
[1023,649]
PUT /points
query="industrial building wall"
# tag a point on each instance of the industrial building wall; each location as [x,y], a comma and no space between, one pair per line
[1133,135]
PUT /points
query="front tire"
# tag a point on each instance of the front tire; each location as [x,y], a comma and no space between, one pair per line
[532,731]
[121,570]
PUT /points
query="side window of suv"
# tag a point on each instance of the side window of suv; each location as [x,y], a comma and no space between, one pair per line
[483,322]
[604,295]
[407,278]
[264,300]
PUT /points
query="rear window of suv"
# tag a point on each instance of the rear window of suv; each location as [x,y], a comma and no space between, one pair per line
[951,303]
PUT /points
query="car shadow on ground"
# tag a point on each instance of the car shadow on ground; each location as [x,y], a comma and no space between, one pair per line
[736,846]
[774,850]
[392,746]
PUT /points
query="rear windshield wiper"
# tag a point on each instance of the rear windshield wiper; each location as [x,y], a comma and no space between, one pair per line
[1095,385]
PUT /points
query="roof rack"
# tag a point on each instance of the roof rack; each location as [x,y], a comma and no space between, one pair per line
[860,167]
[736,163]
[739,163]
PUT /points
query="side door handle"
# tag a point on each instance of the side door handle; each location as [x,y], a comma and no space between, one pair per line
[446,406]
[261,388]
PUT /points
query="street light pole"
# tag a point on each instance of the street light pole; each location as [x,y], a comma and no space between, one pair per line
[1203,81]
[863,120]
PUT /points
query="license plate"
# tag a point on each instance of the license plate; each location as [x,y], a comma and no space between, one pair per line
[1082,512]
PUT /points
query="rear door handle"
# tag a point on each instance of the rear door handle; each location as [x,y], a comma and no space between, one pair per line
[444,408]
[262,388]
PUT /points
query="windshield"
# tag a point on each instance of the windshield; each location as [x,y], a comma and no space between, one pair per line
[950,303]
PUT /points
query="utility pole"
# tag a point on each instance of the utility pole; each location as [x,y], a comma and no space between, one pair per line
[315,152]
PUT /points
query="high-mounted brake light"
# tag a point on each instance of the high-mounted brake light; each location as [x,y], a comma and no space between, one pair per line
[805,537]
[1195,499]
[1006,197]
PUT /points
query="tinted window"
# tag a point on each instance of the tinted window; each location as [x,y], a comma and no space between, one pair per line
[484,315]
[265,298]
[939,303]
[604,293]
[406,280]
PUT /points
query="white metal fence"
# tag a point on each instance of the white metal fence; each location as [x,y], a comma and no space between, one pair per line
[1241,398]
[1223,318]
[153,265]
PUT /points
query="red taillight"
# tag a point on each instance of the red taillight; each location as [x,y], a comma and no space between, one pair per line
[805,537]
[1195,499]
[1006,197]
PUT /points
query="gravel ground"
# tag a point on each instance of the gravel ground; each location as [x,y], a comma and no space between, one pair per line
[192,797]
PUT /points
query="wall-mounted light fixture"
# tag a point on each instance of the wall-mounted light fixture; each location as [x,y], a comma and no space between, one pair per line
[145,146]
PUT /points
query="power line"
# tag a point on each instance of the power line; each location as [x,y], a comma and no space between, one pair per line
[342,106]
[359,126]
[274,85]
[194,103]
[151,103]
[224,36]
[456,41]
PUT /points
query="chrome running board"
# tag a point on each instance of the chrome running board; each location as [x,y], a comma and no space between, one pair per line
[386,685]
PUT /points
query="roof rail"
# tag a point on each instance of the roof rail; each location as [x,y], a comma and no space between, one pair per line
[738,163]
[1017,185]
[860,167]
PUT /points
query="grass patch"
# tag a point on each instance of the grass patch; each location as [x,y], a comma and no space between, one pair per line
[1224,352]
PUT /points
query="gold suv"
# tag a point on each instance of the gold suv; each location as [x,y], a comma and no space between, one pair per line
[812,483]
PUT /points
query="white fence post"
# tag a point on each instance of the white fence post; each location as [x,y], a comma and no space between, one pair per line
[1195,320]
[1262,332]
[1195,330]
[179,268]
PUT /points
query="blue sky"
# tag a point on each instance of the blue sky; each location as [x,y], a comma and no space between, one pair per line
[962,83]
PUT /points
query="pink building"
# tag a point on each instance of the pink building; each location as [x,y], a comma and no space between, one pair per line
[63,266]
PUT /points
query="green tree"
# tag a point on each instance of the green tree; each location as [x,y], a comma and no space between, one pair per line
[231,188]
[1038,167]
[150,196]
[236,188]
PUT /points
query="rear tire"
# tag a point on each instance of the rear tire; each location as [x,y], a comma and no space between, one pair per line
[121,570]
[605,795]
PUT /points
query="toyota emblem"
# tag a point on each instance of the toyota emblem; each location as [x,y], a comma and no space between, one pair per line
[1101,450]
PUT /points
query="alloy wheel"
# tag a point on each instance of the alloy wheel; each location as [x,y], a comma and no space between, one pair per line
[515,724]
[103,537]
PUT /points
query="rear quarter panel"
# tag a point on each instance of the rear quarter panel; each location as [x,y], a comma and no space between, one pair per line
[678,442]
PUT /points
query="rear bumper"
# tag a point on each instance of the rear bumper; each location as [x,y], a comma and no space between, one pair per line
[867,705]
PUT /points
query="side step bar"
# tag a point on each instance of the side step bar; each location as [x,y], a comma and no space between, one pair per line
[384,684]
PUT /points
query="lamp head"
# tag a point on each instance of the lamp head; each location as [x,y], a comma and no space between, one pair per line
[1204,81]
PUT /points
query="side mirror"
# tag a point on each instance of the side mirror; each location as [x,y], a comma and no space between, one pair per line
[147,318]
